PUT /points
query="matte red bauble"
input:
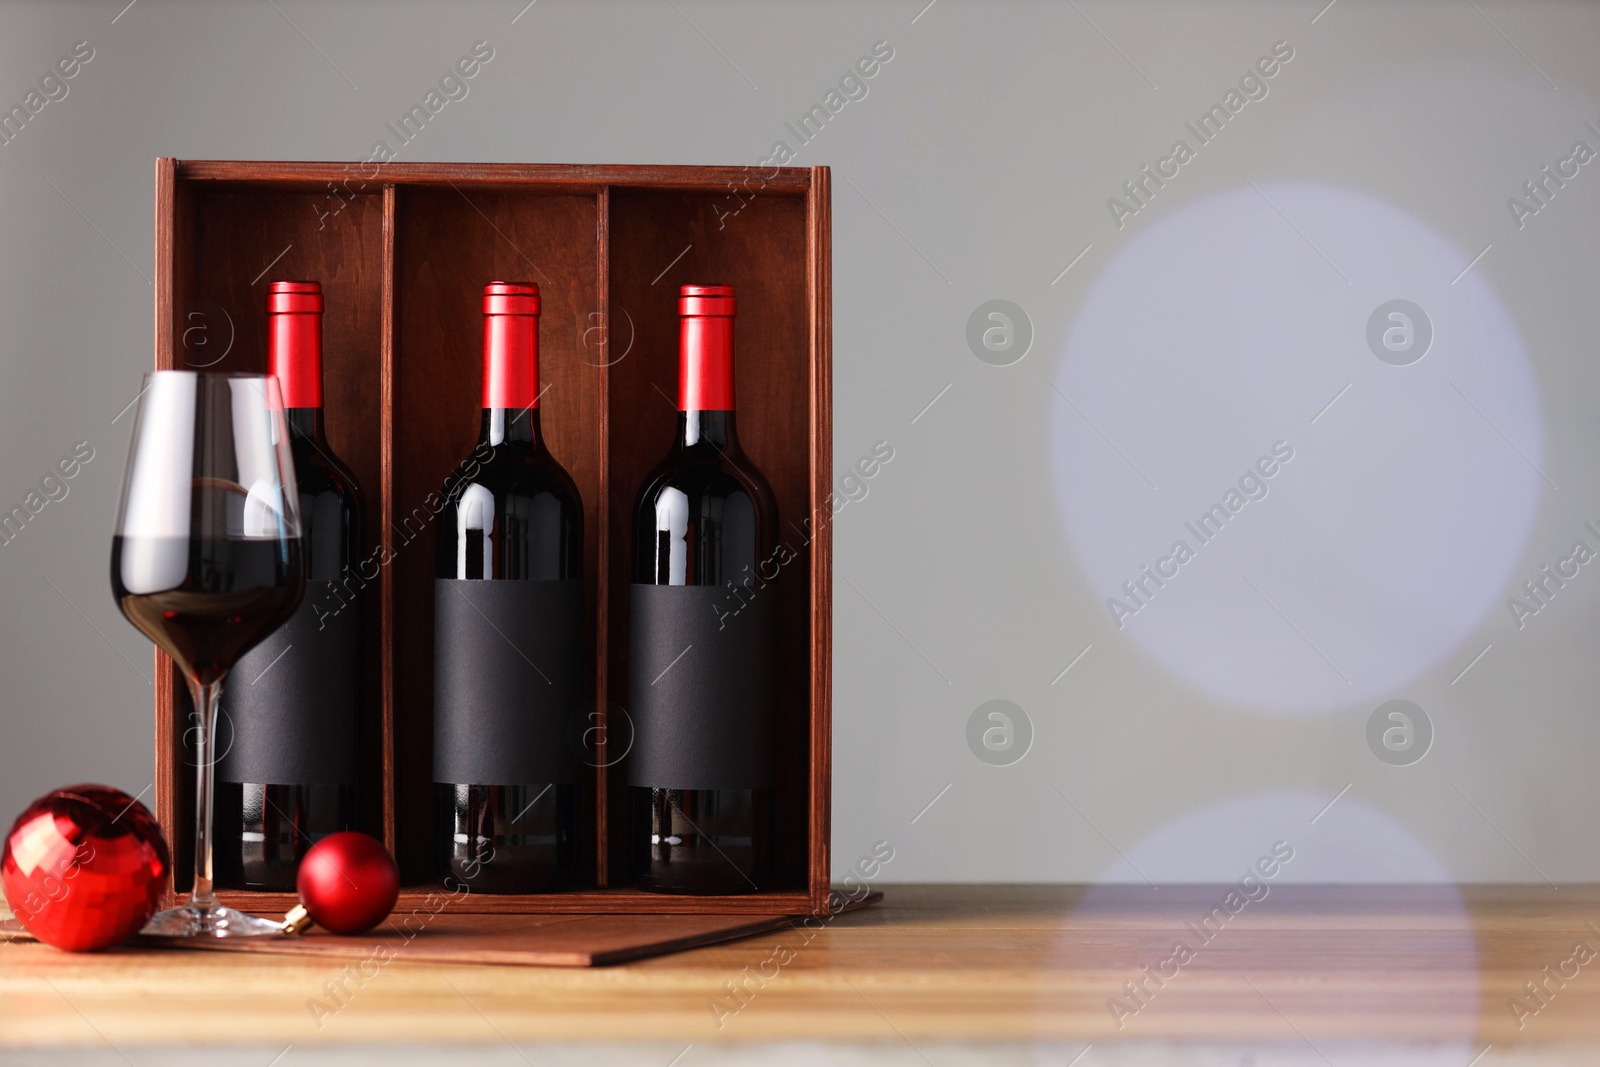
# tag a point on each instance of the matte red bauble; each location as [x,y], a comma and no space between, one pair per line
[348,882]
[84,867]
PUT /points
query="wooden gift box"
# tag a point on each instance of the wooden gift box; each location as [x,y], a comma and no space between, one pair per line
[402,251]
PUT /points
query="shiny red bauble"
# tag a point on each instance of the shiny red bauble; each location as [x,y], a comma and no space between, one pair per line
[84,867]
[348,882]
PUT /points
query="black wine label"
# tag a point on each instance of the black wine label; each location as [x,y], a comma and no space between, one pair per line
[508,677]
[291,705]
[701,688]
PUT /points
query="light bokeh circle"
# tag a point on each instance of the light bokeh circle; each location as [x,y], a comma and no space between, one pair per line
[1199,880]
[1234,325]
[1345,842]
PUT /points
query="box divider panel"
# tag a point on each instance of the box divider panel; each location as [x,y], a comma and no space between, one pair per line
[385,510]
[604,815]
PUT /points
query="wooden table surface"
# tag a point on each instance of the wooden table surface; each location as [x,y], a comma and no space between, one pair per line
[931,965]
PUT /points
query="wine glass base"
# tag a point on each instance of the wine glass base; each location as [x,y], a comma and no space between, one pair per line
[189,920]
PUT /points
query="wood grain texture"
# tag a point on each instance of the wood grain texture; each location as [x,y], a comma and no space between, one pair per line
[514,940]
[174,239]
[1319,965]
[382,504]
[402,254]
[819,287]
[556,178]
[606,842]
[570,902]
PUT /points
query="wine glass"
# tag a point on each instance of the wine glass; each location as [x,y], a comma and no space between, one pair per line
[206,561]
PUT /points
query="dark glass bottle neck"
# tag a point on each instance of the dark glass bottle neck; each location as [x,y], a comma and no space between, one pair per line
[305,423]
[511,426]
[700,428]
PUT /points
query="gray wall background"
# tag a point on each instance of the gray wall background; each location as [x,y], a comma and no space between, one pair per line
[1220,318]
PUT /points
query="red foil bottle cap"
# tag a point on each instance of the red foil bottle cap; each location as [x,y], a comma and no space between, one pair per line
[706,300]
[511,298]
[294,341]
[705,348]
[510,345]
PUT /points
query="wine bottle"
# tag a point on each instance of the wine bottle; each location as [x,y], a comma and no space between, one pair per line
[702,635]
[509,668]
[291,707]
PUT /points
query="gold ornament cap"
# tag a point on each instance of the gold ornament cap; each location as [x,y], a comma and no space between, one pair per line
[297,920]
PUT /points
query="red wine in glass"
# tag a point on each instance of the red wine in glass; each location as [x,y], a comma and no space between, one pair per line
[204,601]
[206,561]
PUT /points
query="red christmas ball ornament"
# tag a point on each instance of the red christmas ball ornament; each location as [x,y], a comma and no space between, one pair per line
[348,884]
[84,867]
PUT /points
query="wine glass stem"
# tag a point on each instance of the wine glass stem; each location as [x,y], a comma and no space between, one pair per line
[206,697]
